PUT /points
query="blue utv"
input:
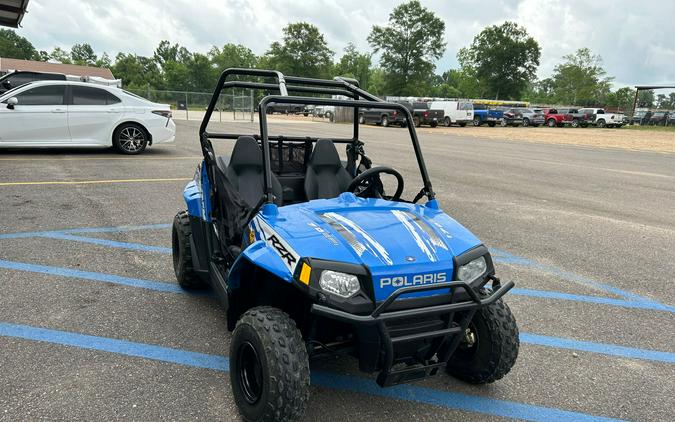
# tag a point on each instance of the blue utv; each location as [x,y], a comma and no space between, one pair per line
[310,256]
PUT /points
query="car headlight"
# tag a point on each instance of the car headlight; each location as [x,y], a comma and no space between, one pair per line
[472,270]
[341,284]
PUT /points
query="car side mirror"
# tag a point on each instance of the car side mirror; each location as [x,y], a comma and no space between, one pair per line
[12,102]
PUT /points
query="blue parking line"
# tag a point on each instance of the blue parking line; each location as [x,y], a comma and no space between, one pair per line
[547,294]
[411,393]
[107,242]
[507,258]
[115,229]
[555,342]
[88,275]
[600,348]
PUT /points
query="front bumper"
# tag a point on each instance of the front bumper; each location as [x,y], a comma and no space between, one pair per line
[380,344]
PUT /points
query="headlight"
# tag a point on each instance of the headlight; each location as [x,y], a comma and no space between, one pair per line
[471,271]
[341,284]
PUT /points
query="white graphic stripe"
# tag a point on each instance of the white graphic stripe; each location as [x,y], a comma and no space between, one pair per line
[403,218]
[373,245]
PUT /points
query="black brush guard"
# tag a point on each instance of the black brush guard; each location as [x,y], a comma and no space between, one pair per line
[374,326]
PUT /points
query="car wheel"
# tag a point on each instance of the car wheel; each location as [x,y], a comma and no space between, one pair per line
[182,253]
[130,139]
[489,348]
[269,367]
[476,121]
[447,122]
[600,123]
[385,121]
[329,116]
[551,123]
[575,123]
[526,122]
[362,119]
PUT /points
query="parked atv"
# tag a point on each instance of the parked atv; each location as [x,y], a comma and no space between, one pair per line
[311,256]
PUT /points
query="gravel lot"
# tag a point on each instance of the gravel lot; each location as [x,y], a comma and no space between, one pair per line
[94,327]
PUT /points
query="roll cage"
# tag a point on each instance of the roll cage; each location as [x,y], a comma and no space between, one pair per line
[292,84]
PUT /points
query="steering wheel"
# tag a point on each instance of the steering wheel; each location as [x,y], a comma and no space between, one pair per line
[368,183]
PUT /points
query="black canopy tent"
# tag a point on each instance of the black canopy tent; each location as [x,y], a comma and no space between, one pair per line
[11,12]
[639,88]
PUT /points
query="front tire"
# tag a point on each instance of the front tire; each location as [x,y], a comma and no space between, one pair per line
[600,124]
[269,366]
[490,348]
[575,123]
[476,121]
[447,122]
[130,139]
[526,122]
[182,253]
[385,121]
[552,123]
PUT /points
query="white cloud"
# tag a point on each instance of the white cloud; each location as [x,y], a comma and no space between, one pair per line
[635,40]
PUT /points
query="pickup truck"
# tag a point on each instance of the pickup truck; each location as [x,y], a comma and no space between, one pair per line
[482,114]
[385,117]
[423,114]
[324,111]
[600,118]
[555,117]
[575,118]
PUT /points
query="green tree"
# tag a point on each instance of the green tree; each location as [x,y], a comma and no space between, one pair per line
[622,98]
[60,55]
[83,54]
[103,61]
[504,58]
[646,98]
[581,80]
[355,65]
[165,52]
[15,46]
[303,51]
[201,74]
[137,71]
[232,55]
[409,46]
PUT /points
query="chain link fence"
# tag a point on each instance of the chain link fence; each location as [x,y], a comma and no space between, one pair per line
[186,105]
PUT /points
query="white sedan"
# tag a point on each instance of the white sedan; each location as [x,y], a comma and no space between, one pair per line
[62,113]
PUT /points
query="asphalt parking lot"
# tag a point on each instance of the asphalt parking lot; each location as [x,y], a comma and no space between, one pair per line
[94,327]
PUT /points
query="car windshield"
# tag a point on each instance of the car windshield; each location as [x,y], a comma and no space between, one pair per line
[8,94]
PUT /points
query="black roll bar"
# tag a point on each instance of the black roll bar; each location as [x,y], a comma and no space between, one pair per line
[338,86]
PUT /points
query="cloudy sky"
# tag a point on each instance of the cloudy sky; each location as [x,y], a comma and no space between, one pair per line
[636,40]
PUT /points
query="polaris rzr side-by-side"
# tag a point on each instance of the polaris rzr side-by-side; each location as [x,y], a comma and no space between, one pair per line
[310,256]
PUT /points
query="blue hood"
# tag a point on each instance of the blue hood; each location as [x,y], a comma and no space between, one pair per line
[398,242]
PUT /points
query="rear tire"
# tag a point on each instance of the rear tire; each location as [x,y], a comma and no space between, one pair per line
[600,124]
[447,122]
[269,366]
[526,122]
[476,121]
[552,123]
[130,139]
[494,350]
[575,123]
[182,253]
[385,121]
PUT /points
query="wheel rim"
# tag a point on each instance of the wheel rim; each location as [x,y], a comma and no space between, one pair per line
[476,122]
[526,122]
[447,121]
[551,123]
[131,139]
[385,121]
[250,373]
